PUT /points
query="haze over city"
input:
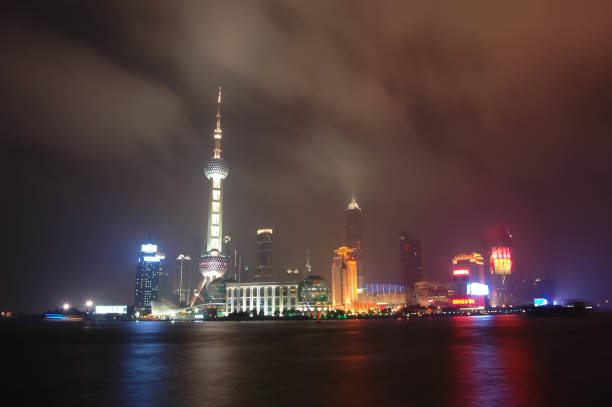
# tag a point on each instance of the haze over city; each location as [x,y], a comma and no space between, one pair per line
[441,120]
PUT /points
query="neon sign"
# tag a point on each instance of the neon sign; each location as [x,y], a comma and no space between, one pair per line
[463,301]
[461,272]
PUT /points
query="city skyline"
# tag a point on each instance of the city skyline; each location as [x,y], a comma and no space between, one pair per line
[438,140]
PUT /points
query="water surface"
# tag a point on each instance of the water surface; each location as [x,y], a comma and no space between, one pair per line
[508,360]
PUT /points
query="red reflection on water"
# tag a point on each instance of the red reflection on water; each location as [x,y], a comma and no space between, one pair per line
[492,364]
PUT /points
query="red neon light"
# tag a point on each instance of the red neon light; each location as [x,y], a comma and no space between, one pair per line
[464,301]
[461,272]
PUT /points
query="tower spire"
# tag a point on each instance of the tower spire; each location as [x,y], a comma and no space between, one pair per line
[219,111]
[353,204]
[218,133]
[308,268]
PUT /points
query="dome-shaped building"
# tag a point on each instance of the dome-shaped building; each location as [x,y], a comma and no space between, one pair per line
[314,291]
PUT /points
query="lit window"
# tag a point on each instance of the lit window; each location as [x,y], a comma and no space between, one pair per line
[215,207]
[215,219]
[216,182]
[216,194]
[214,244]
[214,231]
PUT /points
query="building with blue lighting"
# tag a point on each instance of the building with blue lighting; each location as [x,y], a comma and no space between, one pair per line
[150,264]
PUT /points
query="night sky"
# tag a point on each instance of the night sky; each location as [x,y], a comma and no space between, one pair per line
[442,118]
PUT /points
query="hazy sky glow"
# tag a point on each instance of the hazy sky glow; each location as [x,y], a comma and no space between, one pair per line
[442,119]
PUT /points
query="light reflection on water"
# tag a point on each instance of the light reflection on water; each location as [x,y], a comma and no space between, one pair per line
[490,369]
[463,361]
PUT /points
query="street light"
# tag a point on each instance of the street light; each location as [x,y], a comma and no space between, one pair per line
[66,306]
[88,304]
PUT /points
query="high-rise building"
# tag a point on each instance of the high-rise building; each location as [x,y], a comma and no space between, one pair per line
[411,258]
[499,263]
[264,270]
[212,263]
[181,281]
[344,280]
[355,236]
[354,227]
[147,277]
[411,264]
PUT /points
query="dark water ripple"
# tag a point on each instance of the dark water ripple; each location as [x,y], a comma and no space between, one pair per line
[466,361]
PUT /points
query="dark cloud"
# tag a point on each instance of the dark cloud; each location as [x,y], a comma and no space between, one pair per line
[443,120]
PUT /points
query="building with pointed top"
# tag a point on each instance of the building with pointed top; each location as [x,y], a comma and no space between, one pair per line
[212,262]
[355,236]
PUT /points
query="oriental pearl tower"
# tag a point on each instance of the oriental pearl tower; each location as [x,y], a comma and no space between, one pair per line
[212,263]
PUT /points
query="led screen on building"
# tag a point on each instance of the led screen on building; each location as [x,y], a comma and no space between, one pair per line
[501,260]
[477,289]
[540,302]
[111,309]
[148,248]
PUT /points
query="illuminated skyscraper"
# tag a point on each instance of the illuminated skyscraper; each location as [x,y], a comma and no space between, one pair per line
[499,263]
[264,270]
[355,237]
[212,263]
[147,277]
[344,280]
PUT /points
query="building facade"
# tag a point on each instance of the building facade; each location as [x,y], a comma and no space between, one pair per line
[212,263]
[314,294]
[384,295]
[344,280]
[267,298]
[467,268]
[433,293]
[264,271]
[150,264]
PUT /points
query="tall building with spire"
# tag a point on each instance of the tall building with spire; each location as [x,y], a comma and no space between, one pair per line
[212,263]
[355,236]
